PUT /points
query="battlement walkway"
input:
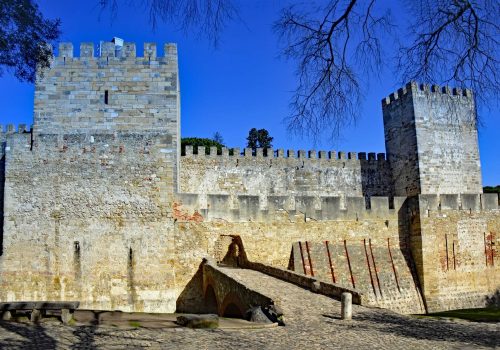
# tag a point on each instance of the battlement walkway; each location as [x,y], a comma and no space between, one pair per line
[312,322]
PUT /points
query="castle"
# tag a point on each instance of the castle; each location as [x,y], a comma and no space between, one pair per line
[99,205]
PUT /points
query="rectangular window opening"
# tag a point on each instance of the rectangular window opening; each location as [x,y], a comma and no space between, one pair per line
[106,97]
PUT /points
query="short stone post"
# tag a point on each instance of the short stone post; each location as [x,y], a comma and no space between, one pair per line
[6,315]
[346,306]
[66,316]
[36,316]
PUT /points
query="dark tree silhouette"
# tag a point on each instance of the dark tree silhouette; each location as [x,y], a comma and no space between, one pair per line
[207,18]
[454,42]
[24,34]
[259,139]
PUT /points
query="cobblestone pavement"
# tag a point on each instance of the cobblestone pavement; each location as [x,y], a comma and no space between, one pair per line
[312,322]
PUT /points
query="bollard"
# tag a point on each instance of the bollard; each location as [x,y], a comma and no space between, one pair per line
[346,306]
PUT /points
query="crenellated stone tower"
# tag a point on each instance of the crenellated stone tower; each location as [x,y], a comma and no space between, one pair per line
[431,141]
[89,190]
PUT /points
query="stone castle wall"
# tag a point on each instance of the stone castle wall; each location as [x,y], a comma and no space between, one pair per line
[270,234]
[455,243]
[98,205]
[302,174]
[89,221]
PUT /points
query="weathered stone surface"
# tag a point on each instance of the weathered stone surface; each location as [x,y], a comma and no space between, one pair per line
[198,321]
[256,314]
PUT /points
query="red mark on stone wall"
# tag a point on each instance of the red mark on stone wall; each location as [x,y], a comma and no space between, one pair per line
[310,259]
[349,264]
[330,261]
[183,215]
[302,257]
[392,263]
[446,246]
[489,249]
[369,268]
[375,267]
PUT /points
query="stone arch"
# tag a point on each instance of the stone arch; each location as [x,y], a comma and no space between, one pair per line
[232,307]
[211,304]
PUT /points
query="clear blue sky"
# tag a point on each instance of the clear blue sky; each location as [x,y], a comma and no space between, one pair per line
[242,84]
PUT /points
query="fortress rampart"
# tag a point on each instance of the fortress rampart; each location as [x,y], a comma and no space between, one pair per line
[116,218]
[308,173]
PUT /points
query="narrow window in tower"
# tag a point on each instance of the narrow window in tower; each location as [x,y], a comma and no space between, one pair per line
[106,97]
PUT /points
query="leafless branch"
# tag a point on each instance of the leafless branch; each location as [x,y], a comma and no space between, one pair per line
[325,48]
[455,42]
[207,18]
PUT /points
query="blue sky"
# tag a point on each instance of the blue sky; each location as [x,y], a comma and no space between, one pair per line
[242,84]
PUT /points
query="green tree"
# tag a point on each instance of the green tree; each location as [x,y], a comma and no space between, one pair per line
[24,34]
[198,141]
[218,137]
[259,139]
[491,189]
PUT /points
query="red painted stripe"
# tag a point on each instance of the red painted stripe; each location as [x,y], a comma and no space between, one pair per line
[330,261]
[392,262]
[310,259]
[302,257]
[369,268]
[349,264]
[375,268]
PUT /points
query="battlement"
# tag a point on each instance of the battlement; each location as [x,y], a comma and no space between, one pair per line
[108,50]
[281,153]
[472,202]
[414,87]
[11,129]
[264,208]
[236,208]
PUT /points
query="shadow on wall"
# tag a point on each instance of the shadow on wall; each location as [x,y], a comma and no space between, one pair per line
[408,220]
[2,186]
[193,300]
[493,300]
[375,176]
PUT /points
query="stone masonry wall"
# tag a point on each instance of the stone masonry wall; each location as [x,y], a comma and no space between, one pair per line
[268,235]
[311,174]
[455,243]
[89,221]
[431,140]
[141,91]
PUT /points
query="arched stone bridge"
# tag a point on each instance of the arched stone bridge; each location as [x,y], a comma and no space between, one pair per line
[226,296]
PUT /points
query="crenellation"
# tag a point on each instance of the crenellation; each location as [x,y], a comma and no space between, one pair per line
[372,156]
[323,155]
[351,155]
[213,151]
[342,156]
[311,154]
[302,154]
[290,153]
[280,153]
[150,51]
[129,50]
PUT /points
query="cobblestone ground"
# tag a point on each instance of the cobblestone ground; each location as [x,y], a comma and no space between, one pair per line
[312,322]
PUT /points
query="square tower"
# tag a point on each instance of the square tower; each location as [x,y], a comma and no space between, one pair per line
[431,140]
[115,91]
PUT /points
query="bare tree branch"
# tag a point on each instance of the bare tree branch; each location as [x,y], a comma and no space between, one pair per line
[328,92]
[455,42]
[207,18]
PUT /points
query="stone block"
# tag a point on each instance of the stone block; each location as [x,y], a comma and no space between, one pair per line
[489,201]
[449,201]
